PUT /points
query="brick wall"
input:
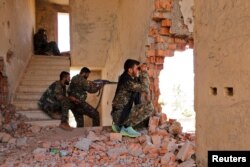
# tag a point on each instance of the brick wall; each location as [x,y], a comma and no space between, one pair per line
[3,84]
[162,43]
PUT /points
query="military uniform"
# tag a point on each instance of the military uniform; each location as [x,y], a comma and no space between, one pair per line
[126,109]
[54,100]
[78,88]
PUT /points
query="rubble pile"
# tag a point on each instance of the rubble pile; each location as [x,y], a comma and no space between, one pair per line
[162,144]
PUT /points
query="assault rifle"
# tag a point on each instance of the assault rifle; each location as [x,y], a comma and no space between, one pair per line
[103,82]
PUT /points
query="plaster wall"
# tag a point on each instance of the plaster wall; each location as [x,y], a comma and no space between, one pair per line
[222,75]
[17,24]
[92,25]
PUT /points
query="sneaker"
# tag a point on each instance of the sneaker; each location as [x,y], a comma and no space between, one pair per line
[65,126]
[116,128]
[130,132]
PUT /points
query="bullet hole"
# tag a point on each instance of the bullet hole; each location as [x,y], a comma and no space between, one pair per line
[9,55]
[213,91]
[8,24]
[229,91]
[189,20]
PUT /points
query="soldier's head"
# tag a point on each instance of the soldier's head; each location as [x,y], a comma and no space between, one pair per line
[85,72]
[132,67]
[42,31]
[65,77]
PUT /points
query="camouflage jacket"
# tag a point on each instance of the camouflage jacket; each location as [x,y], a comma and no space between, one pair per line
[79,86]
[127,90]
[54,93]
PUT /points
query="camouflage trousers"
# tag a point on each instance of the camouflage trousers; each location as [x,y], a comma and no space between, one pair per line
[85,109]
[137,114]
[61,106]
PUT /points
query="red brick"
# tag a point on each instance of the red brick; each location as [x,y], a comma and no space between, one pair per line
[151,73]
[163,118]
[170,40]
[181,47]
[158,16]
[180,41]
[186,151]
[172,46]
[159,39]
[159,60]
[149,148]
[152,32]
[166,4]
[169,53]
[159,67]
[151,59]
[164,31]
[156,139]
[160,52]
[162,132]
[167,158]
[191,43]
[150,52]
[153,123]
[171,121]
[153,155]
[166,23]
[135,149]
[115,136]
[157,4]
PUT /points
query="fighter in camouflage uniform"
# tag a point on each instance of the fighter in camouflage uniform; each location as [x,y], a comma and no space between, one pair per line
[128,109]
[78,89]
[54,100]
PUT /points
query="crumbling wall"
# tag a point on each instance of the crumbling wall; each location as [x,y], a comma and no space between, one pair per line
[168,33]
[3,84]
[17,26]
[222,76]
[46,17]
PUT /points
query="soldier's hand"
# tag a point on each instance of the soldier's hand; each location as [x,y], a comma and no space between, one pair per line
[144,97]
[74,100]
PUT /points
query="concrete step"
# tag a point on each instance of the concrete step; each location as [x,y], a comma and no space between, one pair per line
[42,57]
[43,73]
[26,104]
[37,82]
[28,96]
[50,62]
[35,115]
[48,68]
[44,122]
[32,88]
[41,77]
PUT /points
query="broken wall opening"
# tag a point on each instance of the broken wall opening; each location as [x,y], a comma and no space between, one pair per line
[176,82]
[170,30]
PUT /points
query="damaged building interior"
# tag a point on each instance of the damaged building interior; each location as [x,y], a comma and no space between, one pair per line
[102,35]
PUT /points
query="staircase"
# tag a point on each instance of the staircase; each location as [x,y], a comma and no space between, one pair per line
[40,73]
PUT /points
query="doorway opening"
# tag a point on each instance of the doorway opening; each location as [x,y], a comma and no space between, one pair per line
[177,89]
[63,32]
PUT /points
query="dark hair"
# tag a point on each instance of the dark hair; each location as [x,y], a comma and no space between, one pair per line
[84,70]
[129,63]
[41,30]
[64,74]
